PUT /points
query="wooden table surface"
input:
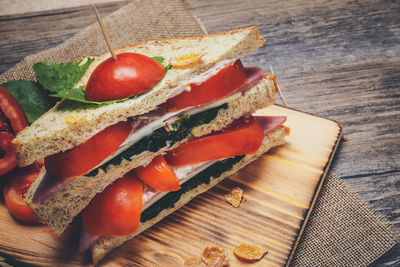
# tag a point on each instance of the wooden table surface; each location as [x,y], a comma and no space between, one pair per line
[334,58]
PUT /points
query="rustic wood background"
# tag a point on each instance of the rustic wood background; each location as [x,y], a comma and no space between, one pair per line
[278,192]
[334,58]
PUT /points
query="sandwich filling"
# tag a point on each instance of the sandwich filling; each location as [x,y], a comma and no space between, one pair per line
[189,176]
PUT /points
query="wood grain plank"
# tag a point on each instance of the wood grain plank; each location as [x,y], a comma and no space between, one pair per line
[278,192]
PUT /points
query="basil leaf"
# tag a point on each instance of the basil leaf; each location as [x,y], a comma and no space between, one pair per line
[77,94]
[31,96]
[158,59]
[56,77]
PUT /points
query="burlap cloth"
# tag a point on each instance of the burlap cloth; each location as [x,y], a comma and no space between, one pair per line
[343,230]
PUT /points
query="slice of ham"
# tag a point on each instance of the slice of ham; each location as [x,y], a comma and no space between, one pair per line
[49,186]
[254,75]
[270,123]
[86,240]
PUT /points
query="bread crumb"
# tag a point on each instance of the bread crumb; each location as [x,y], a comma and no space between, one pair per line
[187,60]
[249,252]
[345,139]
[234,197]
[74,118]
[215,256]
[194,262]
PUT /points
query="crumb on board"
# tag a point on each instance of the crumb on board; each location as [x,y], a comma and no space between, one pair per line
[345,139]
[194,262]
[215,256]
[249,252]
[234,197]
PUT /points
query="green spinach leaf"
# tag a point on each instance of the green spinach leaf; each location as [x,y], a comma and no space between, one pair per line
[31,96]
[56,77]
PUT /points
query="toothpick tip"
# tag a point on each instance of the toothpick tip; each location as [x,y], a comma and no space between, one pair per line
[277,88]
[105,34]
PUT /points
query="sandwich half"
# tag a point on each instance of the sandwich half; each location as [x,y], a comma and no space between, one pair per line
[153,130]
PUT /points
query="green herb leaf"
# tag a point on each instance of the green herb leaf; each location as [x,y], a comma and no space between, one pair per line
[31,96]
[77,94]
[158,59]
[56,77]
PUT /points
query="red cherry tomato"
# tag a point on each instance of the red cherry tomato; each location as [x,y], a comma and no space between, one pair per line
[15,190]
[81,159]
[115,211]
[243,137]
[12,111]
[8,160]
[225,82]
[158,175]
[129,75]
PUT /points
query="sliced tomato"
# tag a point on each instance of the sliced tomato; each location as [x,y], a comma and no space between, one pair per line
[115,211]
[15,190]
[129,75]
[225,82]
[81,159]
[8,160]
[12,111]
[159,175]
[245,136]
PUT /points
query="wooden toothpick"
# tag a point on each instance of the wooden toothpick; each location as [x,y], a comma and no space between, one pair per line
[277,87]
[105,34]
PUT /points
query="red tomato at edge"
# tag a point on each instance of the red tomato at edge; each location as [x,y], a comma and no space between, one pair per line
[244,136]
[115,211]
[15,190]
[79,160]
[159,175]
[129,75]
[224,83]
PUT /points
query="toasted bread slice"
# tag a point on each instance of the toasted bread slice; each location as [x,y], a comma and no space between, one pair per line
[107,243]
[59,210]
[68,125]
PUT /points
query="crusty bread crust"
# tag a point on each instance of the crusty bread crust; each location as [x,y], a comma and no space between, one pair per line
[59,210]
[66,126]
[105,244]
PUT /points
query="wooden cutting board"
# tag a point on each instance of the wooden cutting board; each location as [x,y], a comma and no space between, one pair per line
[280,189]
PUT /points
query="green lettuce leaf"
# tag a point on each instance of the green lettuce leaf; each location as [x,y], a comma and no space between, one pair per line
[77,94]
[158,59]
[56,77]
[31,96]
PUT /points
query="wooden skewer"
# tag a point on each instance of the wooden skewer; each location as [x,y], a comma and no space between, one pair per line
[277,87]
[105,34]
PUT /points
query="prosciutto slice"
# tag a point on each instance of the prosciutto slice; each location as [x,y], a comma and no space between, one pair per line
[270,123]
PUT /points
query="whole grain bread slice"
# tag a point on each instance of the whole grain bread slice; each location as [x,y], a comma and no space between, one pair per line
[69,124]
[58,210]
[107,243]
